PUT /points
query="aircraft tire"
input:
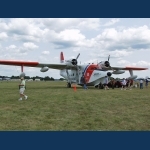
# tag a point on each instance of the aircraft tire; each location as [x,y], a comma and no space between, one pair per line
[68,85]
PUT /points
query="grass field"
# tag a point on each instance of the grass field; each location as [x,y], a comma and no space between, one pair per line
[52,106]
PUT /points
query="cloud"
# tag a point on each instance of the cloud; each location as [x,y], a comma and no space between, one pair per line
[71,35]
[130,38]
[111,22]
[3,36]
[11,47]
[29,45]
[59,24]
[143,63]
[45,52]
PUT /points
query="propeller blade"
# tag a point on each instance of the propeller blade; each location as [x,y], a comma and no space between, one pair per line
[78,56]
[108,58]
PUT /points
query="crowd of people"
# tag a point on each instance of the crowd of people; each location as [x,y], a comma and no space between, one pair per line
[125,84]
[128,84]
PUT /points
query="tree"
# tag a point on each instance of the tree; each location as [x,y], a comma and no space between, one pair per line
[61,79]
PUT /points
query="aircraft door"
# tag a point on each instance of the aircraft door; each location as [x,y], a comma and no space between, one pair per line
[73,76]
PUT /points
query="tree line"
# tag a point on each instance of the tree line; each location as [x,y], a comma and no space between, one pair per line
[46,78]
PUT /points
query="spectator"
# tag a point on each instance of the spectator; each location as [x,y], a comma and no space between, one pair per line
[83,81]
[106,83]
[113,83]
[22,87]
[141,84]
[123,84]
[129,85]
[146,83]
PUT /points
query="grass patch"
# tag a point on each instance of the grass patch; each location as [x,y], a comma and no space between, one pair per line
[52,106]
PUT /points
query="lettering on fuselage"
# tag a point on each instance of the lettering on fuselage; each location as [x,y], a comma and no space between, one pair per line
[96,74]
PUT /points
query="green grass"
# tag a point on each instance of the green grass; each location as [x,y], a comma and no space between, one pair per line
[52,106]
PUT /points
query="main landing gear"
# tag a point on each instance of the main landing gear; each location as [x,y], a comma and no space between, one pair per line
[68,85]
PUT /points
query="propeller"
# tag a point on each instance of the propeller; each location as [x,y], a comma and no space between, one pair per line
[109,64]
[74,61]
[108,58]
[77,56]
[78,69]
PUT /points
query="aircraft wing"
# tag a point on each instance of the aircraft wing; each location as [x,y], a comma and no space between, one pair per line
[127,68]
[59,66]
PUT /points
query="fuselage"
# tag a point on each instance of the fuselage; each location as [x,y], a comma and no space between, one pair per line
[92,74]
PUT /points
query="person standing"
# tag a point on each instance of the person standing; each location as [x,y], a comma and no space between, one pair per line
[22,86]
[129,84]
[141,84]
[123,84]
[113,83]
[106,83]
[83,81]
[146,83]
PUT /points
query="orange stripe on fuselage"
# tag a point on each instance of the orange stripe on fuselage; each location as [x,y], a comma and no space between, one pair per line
[88,72]
[18,63]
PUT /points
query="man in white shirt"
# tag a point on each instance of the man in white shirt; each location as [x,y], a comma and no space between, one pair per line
[106,83]
[124,84]
[22,89]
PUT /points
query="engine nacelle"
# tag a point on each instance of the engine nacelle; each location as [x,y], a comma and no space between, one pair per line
[44,69]
[109,74]
[22,74]
[71,62]
[104,64]
[118,72]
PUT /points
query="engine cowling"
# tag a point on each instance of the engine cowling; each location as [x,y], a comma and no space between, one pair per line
[71,62]
[104,64]
[118,72]
[44,69]
[109,74]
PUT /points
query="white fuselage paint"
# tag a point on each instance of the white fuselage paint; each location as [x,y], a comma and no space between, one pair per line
[74,76]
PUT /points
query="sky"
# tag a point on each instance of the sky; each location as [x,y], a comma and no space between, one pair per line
[126,40]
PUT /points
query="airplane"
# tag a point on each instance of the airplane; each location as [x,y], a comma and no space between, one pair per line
[72,72]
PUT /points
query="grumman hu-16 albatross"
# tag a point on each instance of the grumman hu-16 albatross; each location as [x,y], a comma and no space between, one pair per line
[72,71]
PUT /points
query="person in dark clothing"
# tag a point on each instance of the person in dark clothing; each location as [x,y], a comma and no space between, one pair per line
[83,81]
[146,83]
[113,83]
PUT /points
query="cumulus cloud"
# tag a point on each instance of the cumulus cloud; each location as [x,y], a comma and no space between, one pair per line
[29,45]
[71,35]
[11,47]
[3,36]
[59,24]
[111,22]
[45,52]
[143,63]
[130,38]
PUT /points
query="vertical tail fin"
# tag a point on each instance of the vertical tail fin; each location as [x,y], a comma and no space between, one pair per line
[61,57]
